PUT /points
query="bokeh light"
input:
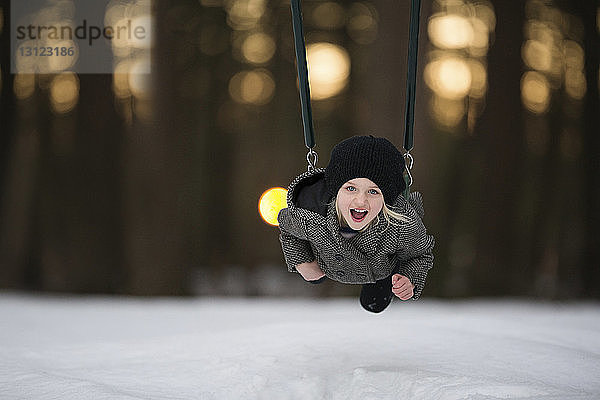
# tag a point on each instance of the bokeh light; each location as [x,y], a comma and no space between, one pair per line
[255,87]
[540,31]
[137,13]
[447,112]
[574,55]
[115,11]
[244,14]
[121,79]
[484,11]
[362,23]
[535,92]
[478,79]
[329,15]
[24,64]
[142,41]
[481,38]
[450,31]
[132,58]
[459,31]
[258,48]
[24,86]
[537,55]
[63,63]
[58,15]
[64,92]
[449,77]
[575,83]
[271,202]
[552,53]
[574,66]
[139,79]
[121,41]
[328,69]
[55,14]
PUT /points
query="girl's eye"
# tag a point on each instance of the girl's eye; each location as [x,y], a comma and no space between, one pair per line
[373,191]
[351,188]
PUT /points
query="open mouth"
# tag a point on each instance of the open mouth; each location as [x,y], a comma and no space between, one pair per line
[358,215]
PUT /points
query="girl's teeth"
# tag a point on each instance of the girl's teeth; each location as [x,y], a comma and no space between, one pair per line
[358,215]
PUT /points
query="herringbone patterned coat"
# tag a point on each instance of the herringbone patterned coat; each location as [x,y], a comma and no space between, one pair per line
[310,230]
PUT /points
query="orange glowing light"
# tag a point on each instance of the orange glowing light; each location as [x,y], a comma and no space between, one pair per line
[271,202]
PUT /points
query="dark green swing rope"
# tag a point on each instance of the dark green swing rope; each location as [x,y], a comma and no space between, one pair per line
[304,88]
[411,83]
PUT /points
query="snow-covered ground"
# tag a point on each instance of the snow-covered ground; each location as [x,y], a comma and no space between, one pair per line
[209,348]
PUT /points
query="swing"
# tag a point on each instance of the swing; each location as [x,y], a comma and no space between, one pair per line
[274,199]
[304,89]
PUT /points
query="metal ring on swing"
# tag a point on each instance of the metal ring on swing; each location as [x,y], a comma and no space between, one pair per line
[312,159]
[410,158]
[409,166]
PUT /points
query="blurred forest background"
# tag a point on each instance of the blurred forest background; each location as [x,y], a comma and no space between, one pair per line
[147,184]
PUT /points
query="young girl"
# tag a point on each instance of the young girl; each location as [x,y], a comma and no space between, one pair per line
[349,222]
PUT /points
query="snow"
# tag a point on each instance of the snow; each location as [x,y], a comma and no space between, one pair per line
[54,347]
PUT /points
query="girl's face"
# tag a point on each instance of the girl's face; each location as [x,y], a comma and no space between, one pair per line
[359,202]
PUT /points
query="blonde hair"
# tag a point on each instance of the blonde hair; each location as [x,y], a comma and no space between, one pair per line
[392,217]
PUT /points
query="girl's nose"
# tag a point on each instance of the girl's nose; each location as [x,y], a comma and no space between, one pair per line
[360,200]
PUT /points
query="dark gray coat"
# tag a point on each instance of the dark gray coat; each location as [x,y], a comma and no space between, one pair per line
[310,230]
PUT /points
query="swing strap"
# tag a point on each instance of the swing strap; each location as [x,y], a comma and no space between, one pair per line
[303,87]
[411,83]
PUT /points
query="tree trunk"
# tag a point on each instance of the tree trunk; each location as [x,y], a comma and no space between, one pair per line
[501,140]
[156,166]
[591,146]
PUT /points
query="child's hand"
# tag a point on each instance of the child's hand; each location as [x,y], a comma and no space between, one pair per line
[310,271]
[402,287]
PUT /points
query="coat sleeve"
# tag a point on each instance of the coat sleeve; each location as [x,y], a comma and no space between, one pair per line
[415,254]
[294,244]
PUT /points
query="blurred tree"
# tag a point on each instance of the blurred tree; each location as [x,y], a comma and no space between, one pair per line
[499,137]
[7,102]
[381,76]
[61,200]
[78,202]
[589,12]
[8,274]
[166,191]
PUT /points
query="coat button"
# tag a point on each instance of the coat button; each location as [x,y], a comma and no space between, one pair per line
[340,273]
[339,257]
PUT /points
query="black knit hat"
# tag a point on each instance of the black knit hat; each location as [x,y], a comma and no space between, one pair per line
[367,157]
